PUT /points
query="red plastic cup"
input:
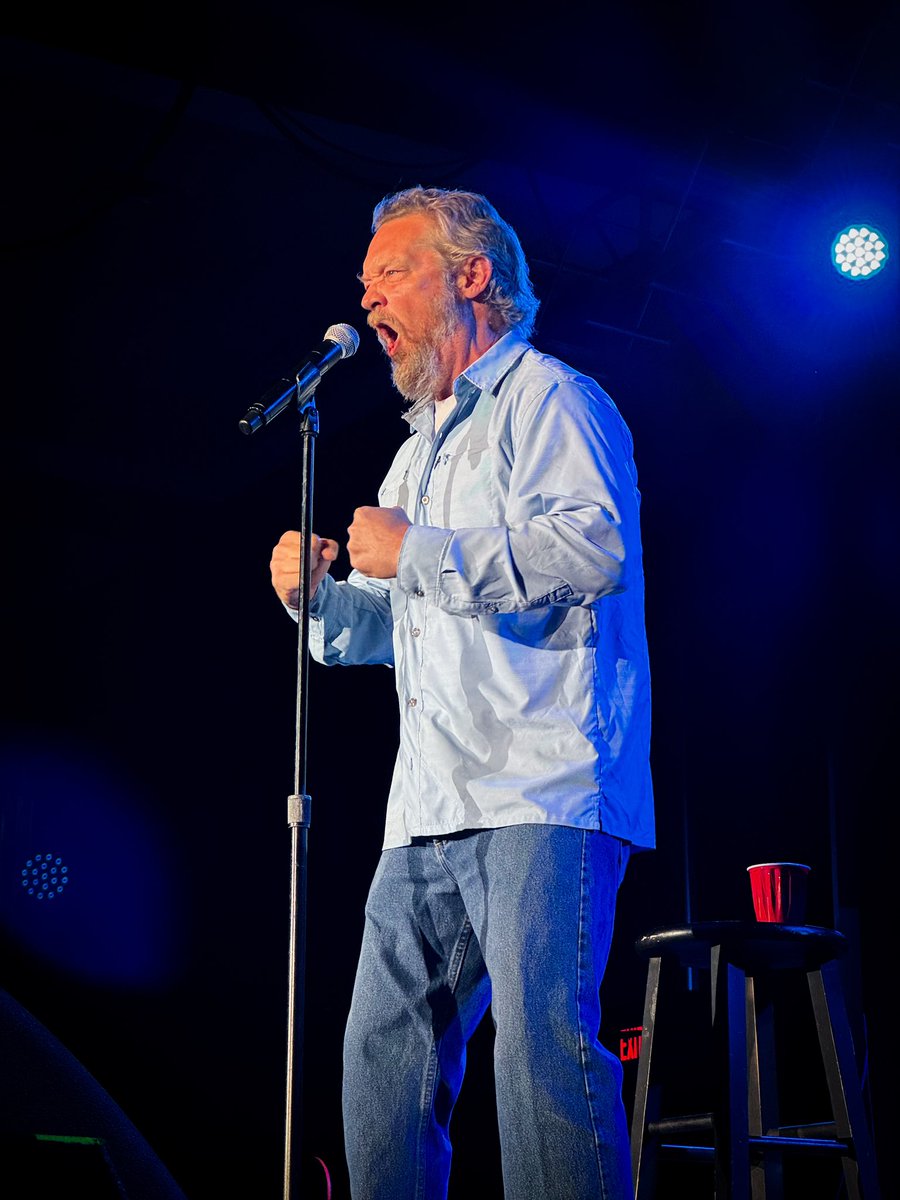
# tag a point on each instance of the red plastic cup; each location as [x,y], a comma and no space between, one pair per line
[779,892]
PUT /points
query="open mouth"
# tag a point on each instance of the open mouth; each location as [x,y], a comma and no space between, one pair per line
[388,338]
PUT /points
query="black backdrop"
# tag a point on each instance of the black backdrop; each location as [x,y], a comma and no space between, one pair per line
[187,203]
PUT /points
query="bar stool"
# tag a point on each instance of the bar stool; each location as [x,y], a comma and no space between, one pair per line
[741,1136]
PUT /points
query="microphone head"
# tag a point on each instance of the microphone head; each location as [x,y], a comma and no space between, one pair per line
[345,336]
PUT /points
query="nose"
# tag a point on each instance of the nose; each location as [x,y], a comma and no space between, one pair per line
[372,297]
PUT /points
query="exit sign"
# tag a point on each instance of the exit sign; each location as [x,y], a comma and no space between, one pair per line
[630,1042]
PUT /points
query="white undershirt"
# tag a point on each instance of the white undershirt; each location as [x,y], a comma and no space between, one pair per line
[442,410]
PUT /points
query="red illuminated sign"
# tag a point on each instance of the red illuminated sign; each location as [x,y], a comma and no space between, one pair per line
[630,1042]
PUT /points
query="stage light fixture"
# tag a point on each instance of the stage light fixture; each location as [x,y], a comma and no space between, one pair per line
[45,876]
[859,252]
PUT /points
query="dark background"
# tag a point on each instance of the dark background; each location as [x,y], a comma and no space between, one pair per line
[187,200]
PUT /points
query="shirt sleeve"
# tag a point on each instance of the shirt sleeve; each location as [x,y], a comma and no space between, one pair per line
[350,622]
[571,533]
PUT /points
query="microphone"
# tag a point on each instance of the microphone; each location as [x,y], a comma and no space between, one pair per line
[340,341]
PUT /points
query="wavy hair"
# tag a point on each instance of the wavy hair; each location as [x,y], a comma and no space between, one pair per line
[467,223]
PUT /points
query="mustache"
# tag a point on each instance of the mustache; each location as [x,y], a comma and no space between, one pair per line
[373,321]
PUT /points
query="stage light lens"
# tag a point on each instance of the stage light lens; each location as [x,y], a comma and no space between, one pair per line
[859,252]
[45,876]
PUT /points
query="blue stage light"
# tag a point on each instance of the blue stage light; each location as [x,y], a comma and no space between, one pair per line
[44,876]
[90,878]
[859,252]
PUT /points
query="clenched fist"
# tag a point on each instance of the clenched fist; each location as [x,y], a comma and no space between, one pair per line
[285,565]
[375,539]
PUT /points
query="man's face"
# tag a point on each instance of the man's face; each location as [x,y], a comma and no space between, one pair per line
[412,307]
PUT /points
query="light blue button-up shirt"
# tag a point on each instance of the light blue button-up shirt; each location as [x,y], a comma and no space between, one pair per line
[515,624]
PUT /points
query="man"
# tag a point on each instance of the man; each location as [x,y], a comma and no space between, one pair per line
[501,575]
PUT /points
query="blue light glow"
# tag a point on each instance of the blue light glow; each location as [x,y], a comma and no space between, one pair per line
[89,879]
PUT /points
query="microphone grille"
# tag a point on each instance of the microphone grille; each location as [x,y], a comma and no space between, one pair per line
[345,336]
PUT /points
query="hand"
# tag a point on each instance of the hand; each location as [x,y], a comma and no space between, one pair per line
[376,536]
[285,565]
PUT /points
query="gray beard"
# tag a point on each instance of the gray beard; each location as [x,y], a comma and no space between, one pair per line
[418,377]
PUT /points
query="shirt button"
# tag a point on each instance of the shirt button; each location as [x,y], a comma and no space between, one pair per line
[412,702]
[426,499]
[418,592]
[416,632]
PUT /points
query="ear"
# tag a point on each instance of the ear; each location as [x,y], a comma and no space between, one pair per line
[474,276]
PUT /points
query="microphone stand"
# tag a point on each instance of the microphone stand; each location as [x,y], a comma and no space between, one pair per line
[298,814]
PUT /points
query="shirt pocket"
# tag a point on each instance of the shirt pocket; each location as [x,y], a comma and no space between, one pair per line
[465,486]
[395,491]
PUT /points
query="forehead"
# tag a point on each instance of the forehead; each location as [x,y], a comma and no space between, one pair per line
[409,237]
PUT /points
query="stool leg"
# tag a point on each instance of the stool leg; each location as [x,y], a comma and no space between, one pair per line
[643,1155]
[842,1076]
[730,1051]
[766,1175]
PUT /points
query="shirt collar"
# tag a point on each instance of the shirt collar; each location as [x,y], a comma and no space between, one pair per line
[485,374]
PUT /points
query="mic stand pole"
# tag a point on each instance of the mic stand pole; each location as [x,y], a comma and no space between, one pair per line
[298,821]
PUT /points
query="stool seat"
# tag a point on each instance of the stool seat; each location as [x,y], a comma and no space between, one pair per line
[751,945]
[742,1135]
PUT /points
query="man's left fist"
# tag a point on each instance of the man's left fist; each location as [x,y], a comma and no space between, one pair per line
[376,536]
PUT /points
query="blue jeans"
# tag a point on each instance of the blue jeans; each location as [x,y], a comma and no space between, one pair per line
[518,918]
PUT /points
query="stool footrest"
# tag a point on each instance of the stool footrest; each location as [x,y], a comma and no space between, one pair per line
[789,1137]
[774,1142]
[701,1123]
[825,1129]
[696,1153]
[756,1146]
[671,1126]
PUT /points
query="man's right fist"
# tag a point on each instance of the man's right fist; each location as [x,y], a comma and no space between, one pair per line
[285,565]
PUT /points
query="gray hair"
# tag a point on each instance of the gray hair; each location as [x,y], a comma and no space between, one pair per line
[467,223]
